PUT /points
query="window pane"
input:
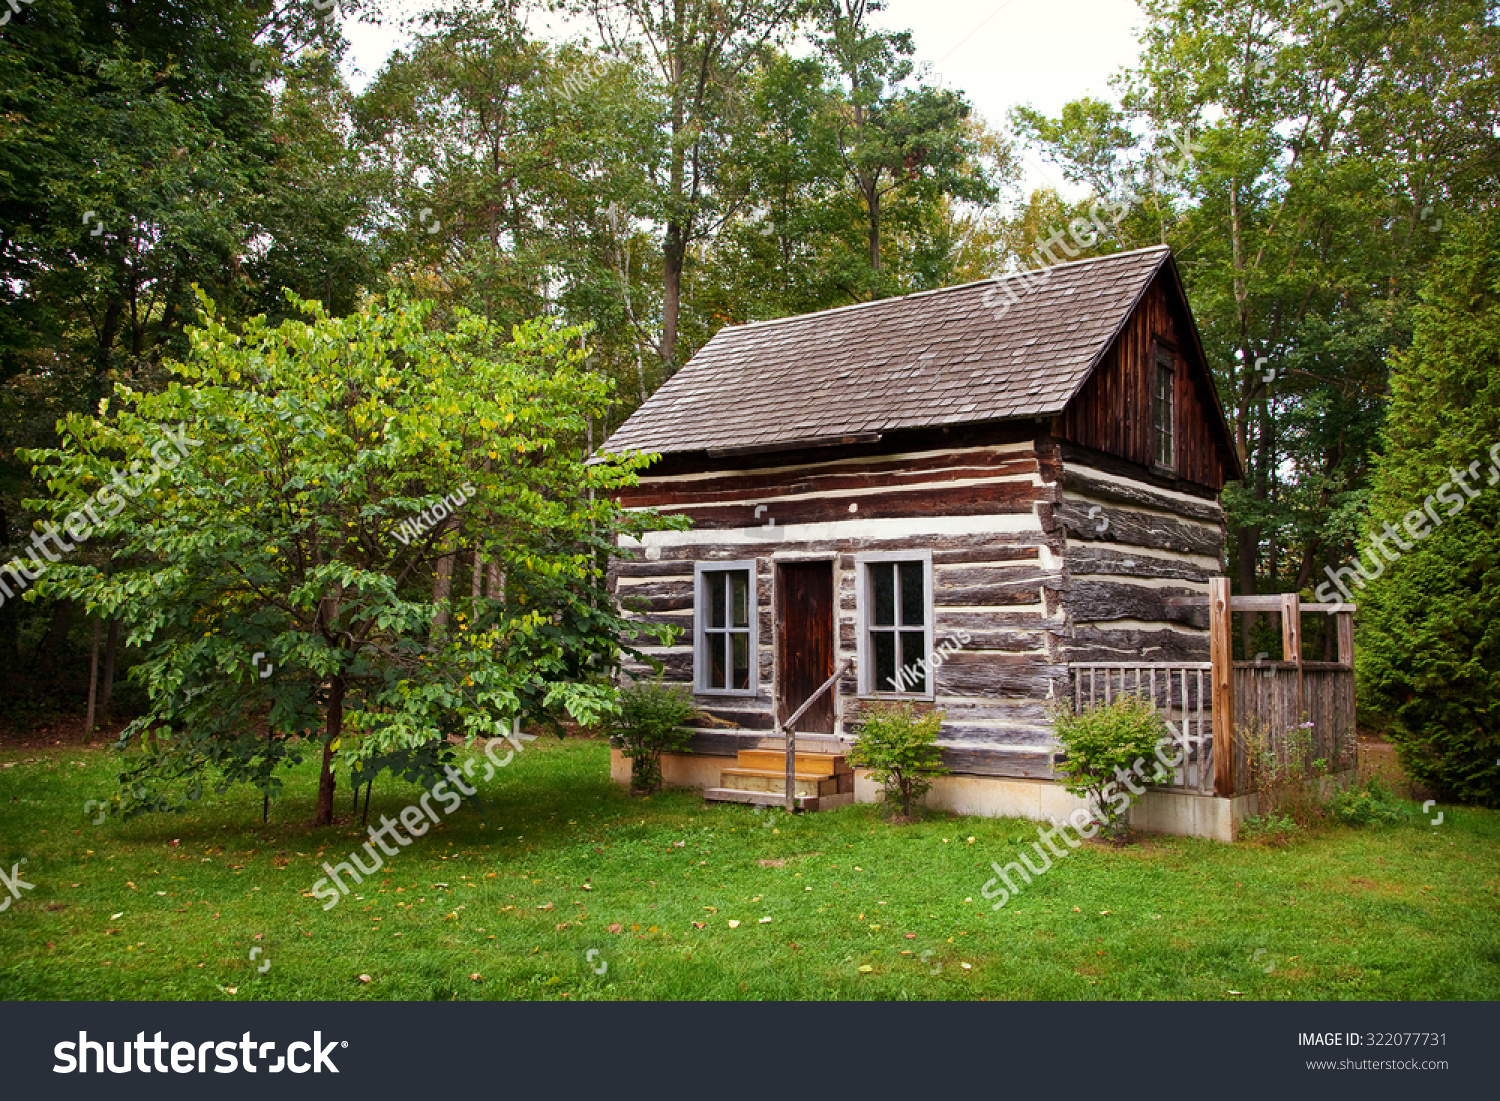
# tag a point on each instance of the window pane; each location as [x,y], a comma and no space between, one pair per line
[885,660]
[714,644]
[741,641]
[738,587]
[912,643]
[715,584]
[913,598]
[883,581]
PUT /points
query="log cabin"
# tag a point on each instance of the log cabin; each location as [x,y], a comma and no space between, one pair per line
[955,497]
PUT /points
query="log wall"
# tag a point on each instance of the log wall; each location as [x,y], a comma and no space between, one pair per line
[1020,562]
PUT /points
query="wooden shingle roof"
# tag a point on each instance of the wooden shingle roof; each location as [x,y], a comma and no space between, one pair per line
[944,357]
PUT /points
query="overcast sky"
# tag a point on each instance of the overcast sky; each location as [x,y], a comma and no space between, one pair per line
[1001,52]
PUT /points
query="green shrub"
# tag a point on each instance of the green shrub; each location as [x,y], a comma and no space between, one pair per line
[1368,804]
[1105,741]
[651,721]
[1268,827]
[899,747]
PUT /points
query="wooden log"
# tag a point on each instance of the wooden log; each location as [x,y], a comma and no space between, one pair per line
[1097,559]
[1092,601]
[1090,643]
[1074,454]
[1005,761]
[1076,481]
[763,487]
[1105,523]
[907,502]
[1221,646]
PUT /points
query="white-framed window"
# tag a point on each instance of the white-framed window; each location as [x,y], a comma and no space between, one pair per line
[725,628]
[893,592]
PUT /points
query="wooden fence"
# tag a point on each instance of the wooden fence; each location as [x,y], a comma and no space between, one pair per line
[1274,697]
[1179,690]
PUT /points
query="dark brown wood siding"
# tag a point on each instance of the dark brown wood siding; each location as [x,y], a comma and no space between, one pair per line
[1112,412]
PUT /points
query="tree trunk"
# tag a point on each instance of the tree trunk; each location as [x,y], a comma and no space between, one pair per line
[327,781]
[476,581]
[442,589]
[107,682]
[872,202]
[93,678]
[674,253]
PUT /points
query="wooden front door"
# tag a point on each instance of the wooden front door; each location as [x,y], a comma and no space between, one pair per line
[804,642]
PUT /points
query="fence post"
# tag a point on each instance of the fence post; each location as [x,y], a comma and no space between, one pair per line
[1221,653]
[1346,638]
[1291,640]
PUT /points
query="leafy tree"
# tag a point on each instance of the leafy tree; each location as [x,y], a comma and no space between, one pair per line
[1429,621]
[896,143]
[278,577]
[699,52]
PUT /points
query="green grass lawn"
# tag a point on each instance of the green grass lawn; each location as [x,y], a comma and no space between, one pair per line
[568,888]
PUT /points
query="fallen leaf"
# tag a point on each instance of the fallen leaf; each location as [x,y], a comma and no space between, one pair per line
[967,966]
[131,885]
[121,914]
[231,989]
[476,976]
[615,927]
[765,921]
[910,936]
[734,924]
[866,968]
[699,925]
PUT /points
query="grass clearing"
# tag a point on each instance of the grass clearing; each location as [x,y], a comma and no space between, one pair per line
[525,893]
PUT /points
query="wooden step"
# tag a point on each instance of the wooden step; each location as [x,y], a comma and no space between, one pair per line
[810,764]
[756,779]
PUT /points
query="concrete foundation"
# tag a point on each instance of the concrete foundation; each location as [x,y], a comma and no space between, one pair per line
[1171,812]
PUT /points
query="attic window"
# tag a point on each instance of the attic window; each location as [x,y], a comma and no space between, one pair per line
[1163,402]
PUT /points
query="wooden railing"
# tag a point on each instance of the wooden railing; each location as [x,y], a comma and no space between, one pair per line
[788,730]
[1275,696]
[1180,691]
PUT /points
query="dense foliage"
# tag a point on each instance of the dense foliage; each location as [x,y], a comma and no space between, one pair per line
[1429,653]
